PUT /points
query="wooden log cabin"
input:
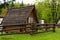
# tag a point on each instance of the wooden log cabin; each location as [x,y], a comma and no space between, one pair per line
[16,19]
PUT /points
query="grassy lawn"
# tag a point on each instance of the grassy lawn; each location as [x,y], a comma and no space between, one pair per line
[39,36]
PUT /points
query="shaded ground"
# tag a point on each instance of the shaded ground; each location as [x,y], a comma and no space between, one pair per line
[39,36]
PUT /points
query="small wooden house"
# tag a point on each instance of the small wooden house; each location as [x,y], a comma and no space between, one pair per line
[16,19]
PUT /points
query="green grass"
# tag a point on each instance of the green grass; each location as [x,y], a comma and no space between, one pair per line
[39,36]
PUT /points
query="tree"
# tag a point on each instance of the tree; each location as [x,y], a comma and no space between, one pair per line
[58,9]
[5,4]
[49,10]
[12,4]
[22,4]
[53,9]
[43,11]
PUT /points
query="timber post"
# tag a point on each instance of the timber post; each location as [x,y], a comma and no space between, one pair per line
[54,27]
[33,28]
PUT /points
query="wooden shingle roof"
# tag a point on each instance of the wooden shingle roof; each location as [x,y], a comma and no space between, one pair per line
[17,16]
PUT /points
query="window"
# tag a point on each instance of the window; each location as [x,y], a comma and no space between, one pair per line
[30,20]
[1,20]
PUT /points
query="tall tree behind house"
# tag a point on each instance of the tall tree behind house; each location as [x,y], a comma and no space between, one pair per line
[58,9]
[5,4]
[22,4]
[12,3]
[54,11]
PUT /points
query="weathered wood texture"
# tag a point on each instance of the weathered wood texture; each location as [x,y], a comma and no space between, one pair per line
[28,28]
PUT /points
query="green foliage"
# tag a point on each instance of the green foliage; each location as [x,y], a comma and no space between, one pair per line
[48,10]
[58,11]
[16,5]
[43,11]
[5,5]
